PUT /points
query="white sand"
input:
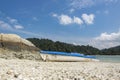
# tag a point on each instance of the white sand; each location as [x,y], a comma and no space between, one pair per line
[33,70]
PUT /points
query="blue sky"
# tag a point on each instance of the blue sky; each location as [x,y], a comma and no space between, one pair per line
[81,22]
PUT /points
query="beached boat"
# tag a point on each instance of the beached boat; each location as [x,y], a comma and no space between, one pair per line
[64,56]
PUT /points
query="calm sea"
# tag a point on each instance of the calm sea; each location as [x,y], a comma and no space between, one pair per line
[108,58]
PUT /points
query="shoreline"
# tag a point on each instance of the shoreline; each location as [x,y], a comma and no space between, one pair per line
[109,58]
[16,69]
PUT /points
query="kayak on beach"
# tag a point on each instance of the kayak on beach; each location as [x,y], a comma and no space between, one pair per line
[64,56]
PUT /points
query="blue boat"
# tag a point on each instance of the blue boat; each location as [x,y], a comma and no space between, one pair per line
[64,56]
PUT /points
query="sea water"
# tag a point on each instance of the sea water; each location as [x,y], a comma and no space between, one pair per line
[108,58]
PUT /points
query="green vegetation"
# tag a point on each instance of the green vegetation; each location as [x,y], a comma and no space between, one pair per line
[111,51]
[46,44]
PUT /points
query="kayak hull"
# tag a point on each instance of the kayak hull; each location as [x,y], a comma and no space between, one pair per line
[62,58]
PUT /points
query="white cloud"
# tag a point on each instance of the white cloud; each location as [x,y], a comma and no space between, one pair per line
[88,18]
[54,15]
[72,10]
[79,4]
[106,40]
[9,24]
[77,20]
[5,25]
[65,19]
[35,18]
[110,1]
[106,12]
[12,21]
[109,37]
[98,11]
[18,27]
[103,12]
[74,43]
[15,23]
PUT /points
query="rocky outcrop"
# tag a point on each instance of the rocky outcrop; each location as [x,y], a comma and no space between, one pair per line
[13,46]
[15,42]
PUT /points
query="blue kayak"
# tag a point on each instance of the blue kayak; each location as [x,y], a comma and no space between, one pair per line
[67,54]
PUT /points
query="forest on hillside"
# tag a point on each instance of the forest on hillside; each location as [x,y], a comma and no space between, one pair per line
[47,44]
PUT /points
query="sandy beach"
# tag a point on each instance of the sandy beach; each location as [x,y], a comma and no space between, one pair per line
[16,69]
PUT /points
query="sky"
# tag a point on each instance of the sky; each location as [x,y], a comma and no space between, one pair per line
[79,22]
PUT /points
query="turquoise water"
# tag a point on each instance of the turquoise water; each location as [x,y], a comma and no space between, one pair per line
[108,58]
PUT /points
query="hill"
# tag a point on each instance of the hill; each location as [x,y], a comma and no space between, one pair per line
[111,51]
[46,44]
